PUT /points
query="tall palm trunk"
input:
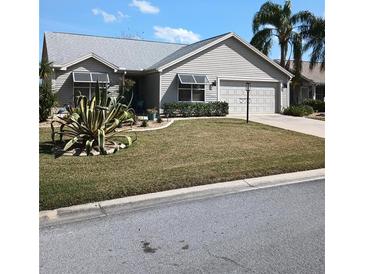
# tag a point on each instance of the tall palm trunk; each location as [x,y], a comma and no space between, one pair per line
[283,49]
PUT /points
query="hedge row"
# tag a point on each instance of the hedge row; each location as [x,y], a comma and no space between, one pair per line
[188,109]
[317,105]
[298,110]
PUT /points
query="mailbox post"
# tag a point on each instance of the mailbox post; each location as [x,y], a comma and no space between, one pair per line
[248,87]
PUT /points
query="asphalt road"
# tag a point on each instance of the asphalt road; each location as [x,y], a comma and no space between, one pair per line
[272,230]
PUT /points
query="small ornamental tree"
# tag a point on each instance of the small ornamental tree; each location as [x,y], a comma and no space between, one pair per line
[91,124]
[47,98]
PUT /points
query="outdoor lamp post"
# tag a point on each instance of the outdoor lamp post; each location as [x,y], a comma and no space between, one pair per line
[248,87]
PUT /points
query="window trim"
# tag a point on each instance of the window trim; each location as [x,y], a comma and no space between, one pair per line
[104,83]
[89,88]
[191,92]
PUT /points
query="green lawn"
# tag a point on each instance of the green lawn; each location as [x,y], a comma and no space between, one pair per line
[188,153]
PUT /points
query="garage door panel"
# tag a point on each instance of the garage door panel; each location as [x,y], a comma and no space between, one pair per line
[262,96]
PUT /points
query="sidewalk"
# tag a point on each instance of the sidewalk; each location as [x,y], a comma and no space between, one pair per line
[132,203]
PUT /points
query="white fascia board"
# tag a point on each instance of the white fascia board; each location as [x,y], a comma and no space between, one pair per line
[87,56]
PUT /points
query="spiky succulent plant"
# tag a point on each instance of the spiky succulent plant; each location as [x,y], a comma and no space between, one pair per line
[91,123]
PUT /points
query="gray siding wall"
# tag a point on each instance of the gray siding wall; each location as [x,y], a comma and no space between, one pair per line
[149,89]
[63,83]
[226,59]
[284,98]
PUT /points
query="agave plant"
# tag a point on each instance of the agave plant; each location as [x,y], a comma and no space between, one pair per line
[91,123]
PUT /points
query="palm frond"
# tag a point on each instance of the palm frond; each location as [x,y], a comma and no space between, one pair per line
[287,9]
[302,17]
[314,36]
[269,14]
[45,69]
[262,40]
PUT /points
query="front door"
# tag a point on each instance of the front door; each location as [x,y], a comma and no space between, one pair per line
[303,94]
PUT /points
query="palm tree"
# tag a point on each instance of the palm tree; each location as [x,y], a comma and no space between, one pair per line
[45,70]
[314,35]
[274,20]
[47,98]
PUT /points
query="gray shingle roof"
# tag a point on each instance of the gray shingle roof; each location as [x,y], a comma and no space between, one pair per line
[315,75]
[129,54]
[185,50]
[132,54]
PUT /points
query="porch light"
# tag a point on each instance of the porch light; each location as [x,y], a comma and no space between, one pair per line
[213,84]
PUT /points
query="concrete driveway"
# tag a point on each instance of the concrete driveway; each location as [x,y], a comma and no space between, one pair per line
[299,124]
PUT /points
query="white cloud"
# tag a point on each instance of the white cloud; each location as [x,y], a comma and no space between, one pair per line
[144,6]
[122,15]
[176,35]
[108,17]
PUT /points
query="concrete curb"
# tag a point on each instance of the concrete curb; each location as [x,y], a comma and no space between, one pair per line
[169,123]
[132,203]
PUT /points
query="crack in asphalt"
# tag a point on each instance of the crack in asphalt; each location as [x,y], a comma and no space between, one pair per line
[229,260]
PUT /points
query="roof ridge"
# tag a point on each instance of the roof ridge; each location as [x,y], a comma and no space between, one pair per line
[214,37]
[120,38]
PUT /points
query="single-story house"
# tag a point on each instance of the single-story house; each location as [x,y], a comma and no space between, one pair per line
[312,84]
[214,69]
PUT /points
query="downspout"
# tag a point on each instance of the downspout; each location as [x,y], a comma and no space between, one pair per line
[159,91]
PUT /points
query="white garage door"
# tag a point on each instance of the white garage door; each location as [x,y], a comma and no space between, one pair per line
[262,96]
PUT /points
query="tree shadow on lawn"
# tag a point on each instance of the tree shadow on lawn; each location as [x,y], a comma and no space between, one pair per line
[46,148]
[49,148]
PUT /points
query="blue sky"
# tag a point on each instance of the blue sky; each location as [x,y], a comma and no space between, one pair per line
[181,21]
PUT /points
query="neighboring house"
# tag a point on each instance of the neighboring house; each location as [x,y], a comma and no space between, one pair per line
[215,69]
[312,84]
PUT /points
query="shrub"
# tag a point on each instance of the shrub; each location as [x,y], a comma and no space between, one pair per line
[91,123]
[317,105]
[144,123]
[47,100]
[159,119]
[298,110]
[189,109]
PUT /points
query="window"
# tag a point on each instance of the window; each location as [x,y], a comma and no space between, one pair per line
[86,89]
[85,82]
[191,87]
[185,95]
[198,92]
[191,93]
[81,88]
